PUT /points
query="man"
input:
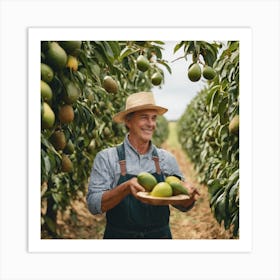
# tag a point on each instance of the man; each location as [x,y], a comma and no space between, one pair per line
[113,184]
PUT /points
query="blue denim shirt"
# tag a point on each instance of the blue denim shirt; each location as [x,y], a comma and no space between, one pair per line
[106,171]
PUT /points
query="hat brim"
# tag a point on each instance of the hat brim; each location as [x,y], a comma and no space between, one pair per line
[120,117]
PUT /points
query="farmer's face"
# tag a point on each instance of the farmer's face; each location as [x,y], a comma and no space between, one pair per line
[142,125]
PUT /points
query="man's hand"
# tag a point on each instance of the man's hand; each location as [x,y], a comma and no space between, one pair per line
[191,189]
[135,187]
[193,193]
[113,197]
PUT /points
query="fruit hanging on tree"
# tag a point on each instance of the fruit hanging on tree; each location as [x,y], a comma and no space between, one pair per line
[56,56]
[66,164]
[47,116]
[208,73]
[47,73]
[194,72]
[142,63]
[71,92]
[46,92]
[110,85]
[66,113]
[72,63]
[71,47]
[234,125]
[58,140]
[156,79]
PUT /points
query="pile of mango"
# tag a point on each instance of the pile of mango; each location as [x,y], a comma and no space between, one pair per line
[170,187]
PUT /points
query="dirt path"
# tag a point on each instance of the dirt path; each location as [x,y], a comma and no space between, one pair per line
[198,223]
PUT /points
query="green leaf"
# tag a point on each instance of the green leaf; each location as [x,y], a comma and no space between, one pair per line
[107,49]
[95,69]
[220,208]
[126,52]
[209,59]
[104,53]
[158,52]
[235,222]
[214,101]
[166,65]
[189,47]
[216,195]
[50,223]
[115,47]
[159,42]
[101,127]
[197,47]
[47,164]
[223,106]
[233,197]
[223,132]
[211,53]
[233,46]
[56,197]
[234,176]
[177,47]
[210,93]
[213,186]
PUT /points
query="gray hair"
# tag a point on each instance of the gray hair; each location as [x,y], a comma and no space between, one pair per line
[128,117]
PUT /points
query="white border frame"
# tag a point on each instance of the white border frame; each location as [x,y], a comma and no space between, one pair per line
[242,34]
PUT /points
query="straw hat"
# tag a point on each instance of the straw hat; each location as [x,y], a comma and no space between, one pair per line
[139,101]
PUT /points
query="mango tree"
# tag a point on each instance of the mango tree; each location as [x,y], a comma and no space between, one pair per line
[83,84]
[209,128]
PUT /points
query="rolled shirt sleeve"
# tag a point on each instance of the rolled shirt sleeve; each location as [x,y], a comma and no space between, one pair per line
[101,179]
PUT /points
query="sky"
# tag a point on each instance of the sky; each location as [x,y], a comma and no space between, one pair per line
[177,90]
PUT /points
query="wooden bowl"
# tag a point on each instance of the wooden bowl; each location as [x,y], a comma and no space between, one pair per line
[176,199]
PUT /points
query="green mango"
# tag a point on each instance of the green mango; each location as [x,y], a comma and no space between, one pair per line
[208,73]
[71,47]
[234,125]
[56,56]
[178,188]
[110,85]
[47,116]
[194,72]
[142,63]
[162,189]
[46,92]
[156,79]
[47,73]
[147,180]
[71,92]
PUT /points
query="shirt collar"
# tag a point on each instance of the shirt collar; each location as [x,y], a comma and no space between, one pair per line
[128,144]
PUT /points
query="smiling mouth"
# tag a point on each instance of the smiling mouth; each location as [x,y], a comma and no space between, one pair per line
[147,131]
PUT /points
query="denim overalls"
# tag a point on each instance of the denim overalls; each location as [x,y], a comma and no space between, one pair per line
[131,218]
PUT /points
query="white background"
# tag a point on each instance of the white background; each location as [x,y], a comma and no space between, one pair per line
[262,262]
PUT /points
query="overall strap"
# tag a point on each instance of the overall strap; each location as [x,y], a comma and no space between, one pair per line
[156,160]
[121,155]
[122,162]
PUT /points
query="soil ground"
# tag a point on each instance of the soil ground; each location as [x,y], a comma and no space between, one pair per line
[198,223]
